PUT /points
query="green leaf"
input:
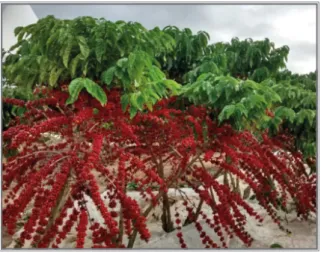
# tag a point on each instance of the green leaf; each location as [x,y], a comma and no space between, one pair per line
[122,63]
[156,74]
[227,111]
[95,111]
[100,49]
[108,75]
[276,245]
[74,89]
[140,101]
[120,74]
[276,121]
[137,61]
[136,84]
[84,48]
[285,113]
[73,64]
[134,101]
[95,90]
[108,125]
[172,85]
[67,52]
[153,94]
[132,112]
[17,30]
[132,186]
[159,88]
[305,114]
[149,105]
[85,68]
[255,101]
[241,110]
[54,76]
[21,111]
[249,84]
[203,76]
[208,67]
[124,101]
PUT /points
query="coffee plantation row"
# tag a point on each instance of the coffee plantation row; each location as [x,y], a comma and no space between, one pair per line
[126,103]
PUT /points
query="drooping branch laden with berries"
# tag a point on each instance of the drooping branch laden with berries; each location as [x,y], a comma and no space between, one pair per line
[100,149]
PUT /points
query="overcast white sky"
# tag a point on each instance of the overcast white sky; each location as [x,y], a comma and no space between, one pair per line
[292,25]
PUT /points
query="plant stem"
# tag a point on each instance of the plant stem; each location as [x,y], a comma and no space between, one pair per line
[134,234]
[37,152]
[160,193]
[233,182]
[121,222]
[198,210]
[166,216]
[238,186]
[225,180]
[62,199]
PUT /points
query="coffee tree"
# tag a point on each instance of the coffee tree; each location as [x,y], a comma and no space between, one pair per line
[123,103]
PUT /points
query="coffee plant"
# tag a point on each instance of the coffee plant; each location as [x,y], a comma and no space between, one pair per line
[116,107]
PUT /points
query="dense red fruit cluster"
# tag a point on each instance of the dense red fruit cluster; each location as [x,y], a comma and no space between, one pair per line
[92,140]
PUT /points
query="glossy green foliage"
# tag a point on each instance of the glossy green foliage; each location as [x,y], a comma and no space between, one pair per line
[241,102]
[86,50]
[54,50]
[297,113]
[91,87]
[188,50]
[142,81]
[305,81]
[256,60]
[207,64]
[296,97]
